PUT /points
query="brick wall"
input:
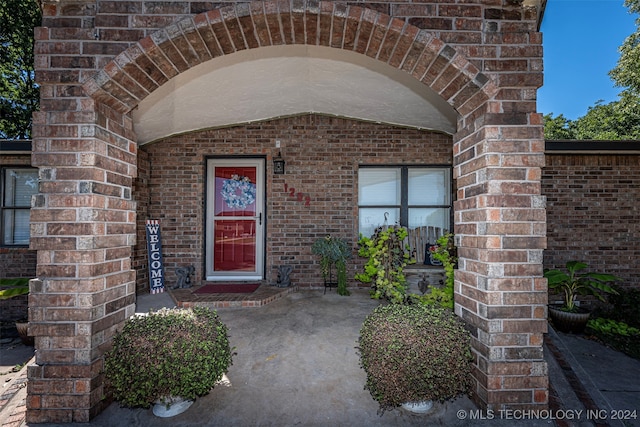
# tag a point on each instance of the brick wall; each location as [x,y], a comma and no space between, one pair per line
[17,262]
[322,156]
[592,212]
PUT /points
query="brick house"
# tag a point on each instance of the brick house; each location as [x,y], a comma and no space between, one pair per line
[176,110]
[592,189]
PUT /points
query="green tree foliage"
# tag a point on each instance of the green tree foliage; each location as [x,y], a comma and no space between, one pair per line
[617,120]
[626,73]
[558,127]
[19,95]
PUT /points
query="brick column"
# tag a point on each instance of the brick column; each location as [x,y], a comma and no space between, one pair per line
[83,227]
[82,221]
[500,224]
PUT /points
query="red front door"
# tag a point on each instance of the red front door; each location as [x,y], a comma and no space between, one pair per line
[235,219]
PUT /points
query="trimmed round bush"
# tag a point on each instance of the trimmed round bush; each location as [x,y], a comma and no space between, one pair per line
[414,353]
[167,353]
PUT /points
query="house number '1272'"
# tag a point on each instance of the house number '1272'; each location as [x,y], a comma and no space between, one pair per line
[301,197]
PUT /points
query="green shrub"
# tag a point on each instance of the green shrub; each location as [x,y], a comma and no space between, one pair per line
[414,353]
[170,352]
[625,306]
[617,335]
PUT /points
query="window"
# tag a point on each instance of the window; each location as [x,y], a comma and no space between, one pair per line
[410,196]
[18,185]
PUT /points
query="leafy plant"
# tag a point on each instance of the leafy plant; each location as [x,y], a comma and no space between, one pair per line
[575,282]
[616,334]
[387,257]
[624,306]
[167,353]
[414,353]
[611,326]
[13,287]
[445,252]
[333,251]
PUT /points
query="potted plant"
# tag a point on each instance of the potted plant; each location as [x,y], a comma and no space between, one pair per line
[387,256]
[12,288]
[414,353]
[333,251]
[168,357]
[569,316]
[446,253]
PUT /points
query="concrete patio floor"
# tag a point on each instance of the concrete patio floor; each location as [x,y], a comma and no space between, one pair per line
[296,363]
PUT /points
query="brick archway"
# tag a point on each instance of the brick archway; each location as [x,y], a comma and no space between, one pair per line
[135,73]
[83,220]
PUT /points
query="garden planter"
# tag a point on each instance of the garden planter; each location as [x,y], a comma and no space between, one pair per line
[171,407]
[418,407]
[22,332]
[569,322]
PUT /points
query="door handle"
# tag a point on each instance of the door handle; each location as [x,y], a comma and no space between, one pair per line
[260,219]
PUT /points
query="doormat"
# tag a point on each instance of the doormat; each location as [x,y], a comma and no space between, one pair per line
[228,288]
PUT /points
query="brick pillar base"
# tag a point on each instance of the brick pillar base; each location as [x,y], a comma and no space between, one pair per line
[62,393]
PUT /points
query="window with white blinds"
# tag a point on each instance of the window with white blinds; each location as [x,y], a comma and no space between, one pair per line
[18,185]
[407,195]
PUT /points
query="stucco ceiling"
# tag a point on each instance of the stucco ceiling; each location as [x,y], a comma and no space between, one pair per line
[277,81]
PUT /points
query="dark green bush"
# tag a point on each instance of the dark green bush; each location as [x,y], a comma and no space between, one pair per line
[616,334]
[414,353]
[170,352]
[625,306]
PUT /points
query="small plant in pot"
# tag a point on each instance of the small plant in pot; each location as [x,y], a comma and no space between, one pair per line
[13,288]
[569,316]
[414,353]
[446,252]
[333,252]
[168,357]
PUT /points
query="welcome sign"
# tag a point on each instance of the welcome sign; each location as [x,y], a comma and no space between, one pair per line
[154,250]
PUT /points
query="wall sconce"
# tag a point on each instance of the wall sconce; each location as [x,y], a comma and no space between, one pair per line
[278,164]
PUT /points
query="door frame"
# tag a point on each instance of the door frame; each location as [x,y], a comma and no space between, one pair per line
[261,195]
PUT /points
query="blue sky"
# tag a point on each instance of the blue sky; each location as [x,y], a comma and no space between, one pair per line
[580,41]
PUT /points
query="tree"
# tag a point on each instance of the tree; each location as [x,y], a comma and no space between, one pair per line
[617,120]
[626,73]
[19,94]
[558,127]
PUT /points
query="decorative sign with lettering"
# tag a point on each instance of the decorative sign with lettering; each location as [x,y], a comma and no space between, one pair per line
[154,249]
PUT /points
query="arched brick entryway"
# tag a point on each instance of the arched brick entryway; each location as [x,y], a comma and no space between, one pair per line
[83,221]
[141,69]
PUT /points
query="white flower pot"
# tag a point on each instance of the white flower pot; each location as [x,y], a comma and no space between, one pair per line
[171,407]
[418,407]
